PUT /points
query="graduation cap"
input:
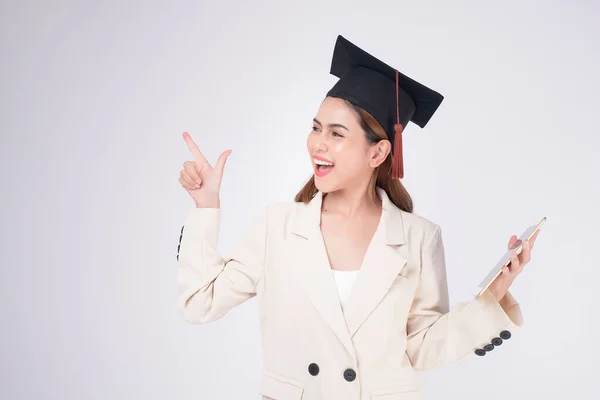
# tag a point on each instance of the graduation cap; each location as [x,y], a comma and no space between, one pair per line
[392,98]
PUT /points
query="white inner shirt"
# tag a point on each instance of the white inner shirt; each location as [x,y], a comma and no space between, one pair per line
[344,281]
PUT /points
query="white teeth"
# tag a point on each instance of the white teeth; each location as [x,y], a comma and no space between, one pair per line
[319,162]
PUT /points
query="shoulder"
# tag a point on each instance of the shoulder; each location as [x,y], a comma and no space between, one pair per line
[418,220]
[284,217]
[283,209]
[418,226]
[282,213]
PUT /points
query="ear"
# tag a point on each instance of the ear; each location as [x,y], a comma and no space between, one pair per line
[379,152]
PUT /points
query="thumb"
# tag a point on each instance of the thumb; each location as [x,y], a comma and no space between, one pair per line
[222,160]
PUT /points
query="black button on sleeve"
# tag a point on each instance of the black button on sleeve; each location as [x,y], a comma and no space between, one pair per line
[313,369]
[179,245]
[480,352]
[488,347]
[496,341]
[349,375]
[505,335]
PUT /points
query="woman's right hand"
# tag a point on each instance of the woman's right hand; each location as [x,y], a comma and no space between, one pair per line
[200,179]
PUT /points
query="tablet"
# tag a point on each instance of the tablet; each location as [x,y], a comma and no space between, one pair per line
[505,260]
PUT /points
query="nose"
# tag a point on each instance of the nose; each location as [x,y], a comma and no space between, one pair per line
[320,145]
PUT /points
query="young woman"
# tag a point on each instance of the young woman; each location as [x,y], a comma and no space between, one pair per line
[351,284]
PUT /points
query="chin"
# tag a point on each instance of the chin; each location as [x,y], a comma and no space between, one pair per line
[326,185]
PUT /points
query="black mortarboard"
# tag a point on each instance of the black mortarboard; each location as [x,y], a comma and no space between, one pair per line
[392,98]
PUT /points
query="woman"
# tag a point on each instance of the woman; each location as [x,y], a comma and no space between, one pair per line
[351,285]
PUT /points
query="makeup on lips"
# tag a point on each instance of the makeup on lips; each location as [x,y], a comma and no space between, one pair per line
[322,166]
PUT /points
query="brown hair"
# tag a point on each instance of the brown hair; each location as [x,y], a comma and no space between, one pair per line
[395,190]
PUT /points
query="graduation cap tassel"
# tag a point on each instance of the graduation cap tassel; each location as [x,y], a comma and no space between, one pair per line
[397,167]
[397,162]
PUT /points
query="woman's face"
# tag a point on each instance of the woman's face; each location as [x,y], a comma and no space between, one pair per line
[340,154]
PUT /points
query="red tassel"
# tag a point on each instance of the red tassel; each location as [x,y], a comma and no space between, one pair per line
[397,162]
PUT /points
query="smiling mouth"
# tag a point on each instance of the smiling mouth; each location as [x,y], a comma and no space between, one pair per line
[321,169]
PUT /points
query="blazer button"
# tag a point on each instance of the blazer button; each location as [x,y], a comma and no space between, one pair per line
[480,352]
[496,341]
[349,375]
[313,369]
[505,335]
[488,347]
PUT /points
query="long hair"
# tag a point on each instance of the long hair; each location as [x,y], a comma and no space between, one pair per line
[395,190]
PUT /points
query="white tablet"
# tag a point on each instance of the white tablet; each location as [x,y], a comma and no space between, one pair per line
[505,260]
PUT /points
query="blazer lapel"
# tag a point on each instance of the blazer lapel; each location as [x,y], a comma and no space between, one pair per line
[319,284]
[382,263]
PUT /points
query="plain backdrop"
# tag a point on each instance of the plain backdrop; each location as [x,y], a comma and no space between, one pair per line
[95,96]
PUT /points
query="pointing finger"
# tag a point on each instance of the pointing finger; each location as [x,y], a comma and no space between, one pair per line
[196,153]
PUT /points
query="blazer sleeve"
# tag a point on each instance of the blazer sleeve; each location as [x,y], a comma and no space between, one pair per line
[209,284]
[438,335]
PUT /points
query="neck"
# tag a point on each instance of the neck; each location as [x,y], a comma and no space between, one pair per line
[351,202]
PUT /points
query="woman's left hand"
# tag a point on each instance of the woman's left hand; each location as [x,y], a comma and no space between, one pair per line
[517,261]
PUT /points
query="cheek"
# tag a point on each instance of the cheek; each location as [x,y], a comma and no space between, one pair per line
[350,157]
[310,141]
[342,150]
[350,160]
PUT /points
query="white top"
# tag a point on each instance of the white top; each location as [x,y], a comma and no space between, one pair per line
[344,281]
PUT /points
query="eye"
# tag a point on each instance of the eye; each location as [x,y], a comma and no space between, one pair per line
[314,128]
[337,134]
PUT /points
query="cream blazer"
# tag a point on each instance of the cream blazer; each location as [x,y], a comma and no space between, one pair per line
[397,319]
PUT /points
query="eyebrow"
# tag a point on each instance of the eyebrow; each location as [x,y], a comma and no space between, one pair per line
[331,125]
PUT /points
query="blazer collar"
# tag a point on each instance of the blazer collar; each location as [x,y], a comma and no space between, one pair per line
[308,219]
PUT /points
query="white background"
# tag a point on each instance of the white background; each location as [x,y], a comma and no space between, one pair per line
[95,96]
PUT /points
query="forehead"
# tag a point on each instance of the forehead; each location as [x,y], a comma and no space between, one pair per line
[335,110]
